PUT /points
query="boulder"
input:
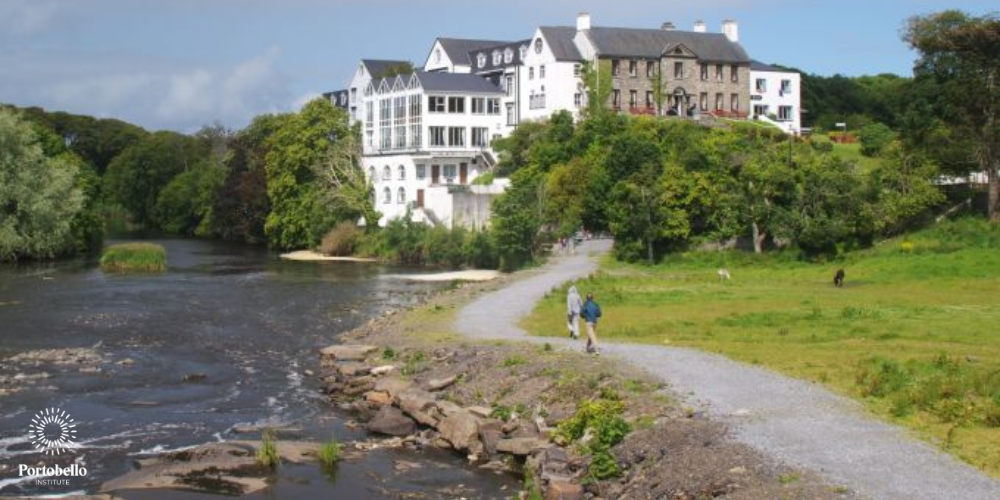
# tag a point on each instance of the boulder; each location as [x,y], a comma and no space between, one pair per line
[418,404]
[461,429]
[392,385]
[521,446]
[382,370]
[348,352]
[378,397]
[391,422]
[489,433]
[563,490]
[353,369]
[481,411]
[447,408]
[438,384]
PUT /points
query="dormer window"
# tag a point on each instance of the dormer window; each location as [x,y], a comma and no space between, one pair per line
[508,55]
[496,57]
[524,52]
[481,60]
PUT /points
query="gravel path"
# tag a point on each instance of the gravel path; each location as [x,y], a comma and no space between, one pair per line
[795,421]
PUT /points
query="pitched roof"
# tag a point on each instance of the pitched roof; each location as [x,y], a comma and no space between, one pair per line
[650,43]
[488,51]
[378,67]
[456,82]
[756,65]
[458,48]
[560,40]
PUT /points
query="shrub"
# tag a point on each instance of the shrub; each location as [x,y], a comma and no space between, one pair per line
[268,455]
[820,143]
[874,138]
[329,453]
[134,257]
[604,419]
[341,240]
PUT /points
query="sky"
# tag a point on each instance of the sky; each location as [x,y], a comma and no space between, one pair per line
[182,64]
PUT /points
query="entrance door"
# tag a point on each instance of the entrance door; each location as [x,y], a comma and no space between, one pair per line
[420,198]
[463,173]
[435,174]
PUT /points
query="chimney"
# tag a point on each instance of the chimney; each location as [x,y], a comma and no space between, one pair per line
[583,21]
[699,26]
[668,26]
[731,30]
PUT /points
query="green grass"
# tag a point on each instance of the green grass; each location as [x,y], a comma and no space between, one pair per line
[852,152]
[268,455]
[329,453]
[134,257]
[913,334]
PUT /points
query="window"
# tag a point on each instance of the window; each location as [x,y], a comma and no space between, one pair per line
[760,110]
[456,105]
[785,113]
[704,72]
[541,71]
[703,101]
[678,70]
[401,196]
[456,136]
[509,84]
[511,117]
[386,196]
[449,173]
[416,138]
[577,70]
[354,95]
[650,69]
[437,136]
[718,72]
[616,69]
[616,98]
[435,104]
[493,106]
[369,115]
[399,121]
[577,99]
[478,105]
[734,102]
[402,173]
[786,87]
[496,57]
[735,73]
[536,101]
[386,173]
[633,69]
[508,55]
[480,137]
[371,174]
[531,73]
[481,60]
[633,97]
[718,101]
[649,99]
[524,52]
[538,46]
[385,123]
[421,172]
[760,85]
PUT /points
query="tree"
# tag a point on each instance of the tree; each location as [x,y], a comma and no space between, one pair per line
[961,55]
[764,185]
[903,188]
[396,69]
[516,221]
[298,219]
[38,195]
[875,138]
[184,205]
[343,185]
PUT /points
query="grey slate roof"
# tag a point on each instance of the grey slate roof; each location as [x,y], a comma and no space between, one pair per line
[488,51]
[456,82]
[560,40]
[458,48]
[376,67]
[756,65]
[650,43]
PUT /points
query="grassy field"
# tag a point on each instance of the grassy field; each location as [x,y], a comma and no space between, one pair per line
[914,334]
[852,152]
[134,257]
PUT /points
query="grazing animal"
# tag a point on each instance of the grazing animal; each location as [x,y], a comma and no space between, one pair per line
[723,274]
[838,279]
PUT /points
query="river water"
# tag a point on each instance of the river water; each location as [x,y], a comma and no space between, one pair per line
[241,326]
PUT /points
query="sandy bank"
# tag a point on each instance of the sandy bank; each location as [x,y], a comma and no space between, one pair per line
[310,256]
[469,275]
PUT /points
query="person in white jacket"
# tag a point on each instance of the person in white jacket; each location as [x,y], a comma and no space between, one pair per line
[573,305]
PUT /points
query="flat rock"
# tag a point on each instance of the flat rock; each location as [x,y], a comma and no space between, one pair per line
[418,404]
[521,446]
[481,411]
[438,384]
[392,385]
[390,421]
[461,429]
[563,490]
[348,352]
[378,397]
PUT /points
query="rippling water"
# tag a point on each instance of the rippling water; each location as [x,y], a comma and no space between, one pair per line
[250,323]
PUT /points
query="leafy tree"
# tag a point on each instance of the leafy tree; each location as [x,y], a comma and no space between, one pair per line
[517,220]
[343,185]
[903,188]
[961,55]
[38,195]
[765,185]
[184,205]
[874,138]
[298,218]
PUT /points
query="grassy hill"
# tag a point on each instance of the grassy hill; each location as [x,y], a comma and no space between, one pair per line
[914,334]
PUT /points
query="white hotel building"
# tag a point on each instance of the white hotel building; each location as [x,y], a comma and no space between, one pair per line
[427,135]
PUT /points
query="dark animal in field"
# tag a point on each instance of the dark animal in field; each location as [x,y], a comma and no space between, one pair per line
[838,279]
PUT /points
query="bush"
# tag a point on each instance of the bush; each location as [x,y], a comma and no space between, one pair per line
[604,419]
[341,241]
[134,257]
[821,143]
[874,138]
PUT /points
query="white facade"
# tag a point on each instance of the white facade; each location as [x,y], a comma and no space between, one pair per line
[776,96]
[548,84]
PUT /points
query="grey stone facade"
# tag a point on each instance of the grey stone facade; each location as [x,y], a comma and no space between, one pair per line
[687,89]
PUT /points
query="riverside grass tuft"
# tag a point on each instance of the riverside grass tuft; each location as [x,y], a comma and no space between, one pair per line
[912,334]
[134,258]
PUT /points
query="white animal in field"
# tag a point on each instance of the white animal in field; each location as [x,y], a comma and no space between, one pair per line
[723,274]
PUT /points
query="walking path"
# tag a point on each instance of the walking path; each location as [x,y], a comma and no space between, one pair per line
[795,421]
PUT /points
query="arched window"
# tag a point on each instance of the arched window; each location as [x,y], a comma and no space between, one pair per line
[401,196]
[386,196]
[386,173]
[371,175]
[402,173]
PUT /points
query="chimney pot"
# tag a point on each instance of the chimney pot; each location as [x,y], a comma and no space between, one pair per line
[667,26]
[700,27]
[582,21]
[731,30]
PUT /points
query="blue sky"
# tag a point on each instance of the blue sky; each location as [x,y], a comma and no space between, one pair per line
[180,64]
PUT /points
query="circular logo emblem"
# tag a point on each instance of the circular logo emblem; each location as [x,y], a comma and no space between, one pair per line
[52,431]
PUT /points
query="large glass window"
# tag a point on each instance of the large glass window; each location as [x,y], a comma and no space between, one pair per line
[385,123]
[456,136]
[416,140]
[435,104]
[718,72]
[449,173]
[633,96]
[541,71]
[509,86]
[718,101]
[437,136]
[456,105]
[616,98]
[511,117]
[703,101]
[399,120]
[386,173]
[478,105]
[480,137]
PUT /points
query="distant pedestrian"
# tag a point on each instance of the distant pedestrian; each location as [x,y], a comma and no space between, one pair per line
[573,307]
[591,312]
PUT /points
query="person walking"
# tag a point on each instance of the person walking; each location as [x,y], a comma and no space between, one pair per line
[591,312]
[573,307]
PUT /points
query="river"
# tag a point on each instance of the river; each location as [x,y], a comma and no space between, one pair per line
[219,341]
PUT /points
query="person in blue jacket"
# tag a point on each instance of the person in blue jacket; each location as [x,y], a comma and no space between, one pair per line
[591,312]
